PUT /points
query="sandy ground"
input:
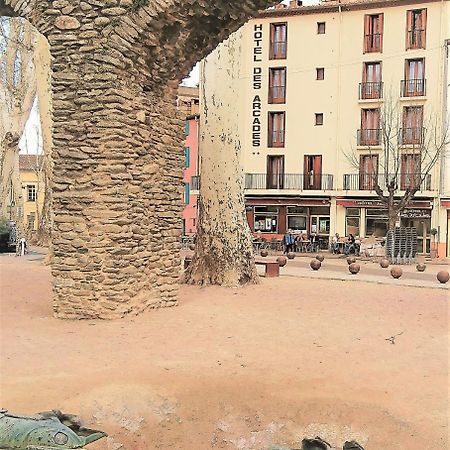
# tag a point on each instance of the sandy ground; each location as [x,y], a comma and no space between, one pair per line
[236,369]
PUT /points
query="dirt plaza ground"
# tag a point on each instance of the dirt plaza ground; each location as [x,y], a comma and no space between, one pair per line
[237,369]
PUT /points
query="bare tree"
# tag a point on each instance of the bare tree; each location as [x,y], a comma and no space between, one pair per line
[17,93]
[409,146]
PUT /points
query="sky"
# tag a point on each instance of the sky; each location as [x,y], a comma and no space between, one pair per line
[30,142]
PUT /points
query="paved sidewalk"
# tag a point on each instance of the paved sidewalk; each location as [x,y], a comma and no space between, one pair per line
[371,272]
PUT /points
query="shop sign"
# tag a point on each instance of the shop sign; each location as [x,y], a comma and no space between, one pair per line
[257,84]
[416,213]
[377,204]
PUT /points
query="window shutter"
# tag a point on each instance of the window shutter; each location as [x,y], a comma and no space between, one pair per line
[380,30]
[424,28]
[187,156]
[366,33]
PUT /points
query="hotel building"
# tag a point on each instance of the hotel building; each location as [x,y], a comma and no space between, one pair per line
[312,82]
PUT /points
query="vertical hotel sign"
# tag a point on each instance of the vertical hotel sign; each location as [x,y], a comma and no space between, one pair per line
[257,84]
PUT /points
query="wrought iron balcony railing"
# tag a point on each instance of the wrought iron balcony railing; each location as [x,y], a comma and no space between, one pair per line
[415,39]
[290,181]
[372,42]
[367,182]
[413,88]
[369,136]
[412,136]
[371,90]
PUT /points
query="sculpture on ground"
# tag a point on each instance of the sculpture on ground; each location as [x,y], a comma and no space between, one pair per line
[118,148]
[44,431]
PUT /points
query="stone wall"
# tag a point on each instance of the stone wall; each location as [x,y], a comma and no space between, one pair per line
[118,143]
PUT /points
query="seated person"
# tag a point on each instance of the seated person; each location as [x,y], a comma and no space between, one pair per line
[350,244]
[335,244]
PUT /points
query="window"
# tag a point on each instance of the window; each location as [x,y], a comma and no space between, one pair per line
[312,171]
[278,41]
[416,28]
[368,172]
[186,128]
[414,83]
[276,129]
[31,192]
[266,219]
[352,221]
[370,132]
[277,85]
[31,219]
[371,87]
[376,222]
[320,73]
[319,119]
[410,171]
[320,27]
[187,157]
[275,172]
[186,193]
[297,218]
[373,33]
[412,131]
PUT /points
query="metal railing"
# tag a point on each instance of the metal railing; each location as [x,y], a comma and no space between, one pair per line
[370,90]
[289,181]
[372,42]
[413,88]
[416,39]
[367,182]
[369,136]
[412,136]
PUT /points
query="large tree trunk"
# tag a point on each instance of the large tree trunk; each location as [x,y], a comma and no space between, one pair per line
[224,249]
[17,92]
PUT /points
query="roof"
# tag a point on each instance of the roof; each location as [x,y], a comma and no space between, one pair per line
[29,162]
[327,6]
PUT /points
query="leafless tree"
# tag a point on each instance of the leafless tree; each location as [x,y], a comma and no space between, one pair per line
[402,154]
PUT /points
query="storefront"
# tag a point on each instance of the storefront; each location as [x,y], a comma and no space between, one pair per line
[273,217]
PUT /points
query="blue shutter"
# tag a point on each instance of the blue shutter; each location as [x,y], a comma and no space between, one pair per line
[186,193]
[186,128]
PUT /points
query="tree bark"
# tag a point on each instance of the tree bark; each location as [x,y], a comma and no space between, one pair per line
[224,248]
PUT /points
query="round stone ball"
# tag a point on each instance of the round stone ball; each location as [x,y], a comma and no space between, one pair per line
[291,255]
[396,272]
[315,264]
[354,268]
[443,276]
[421,267]
[384,263]
[351,260]
[264,253]
[282,261]
[192,247]
[320,257]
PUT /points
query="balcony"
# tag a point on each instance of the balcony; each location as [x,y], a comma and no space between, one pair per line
[412,136]
[372,42]
[415,39]
[289,181]
[367,182]
[371,90]
[413,88]
[369,137]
